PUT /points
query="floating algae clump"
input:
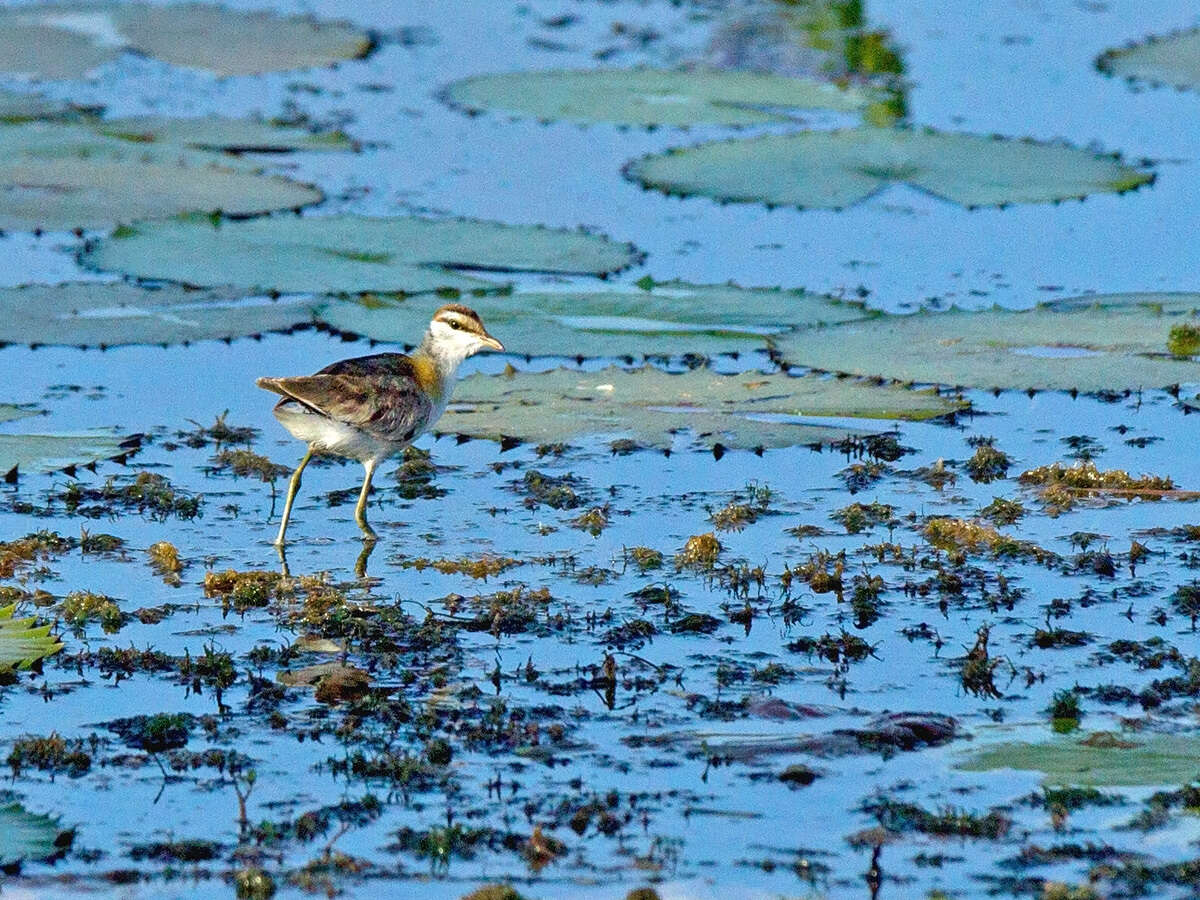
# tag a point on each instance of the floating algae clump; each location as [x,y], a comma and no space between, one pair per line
[700,552]
[1060,487]
[243,590]
[81,607]
[957,535]
[1183,340]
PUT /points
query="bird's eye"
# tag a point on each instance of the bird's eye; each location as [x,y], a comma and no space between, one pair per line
[455,325]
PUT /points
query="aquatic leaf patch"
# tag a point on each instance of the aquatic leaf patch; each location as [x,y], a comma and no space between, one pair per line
[1109,342]
[665,319]
[20,453]
[650,97]
[26,836]
[22,643]
[109,314]
[17,108]
[746,411]
[350,254]
[1171,59]
[1101,760]
[62,41]
[218,133]
[835,169]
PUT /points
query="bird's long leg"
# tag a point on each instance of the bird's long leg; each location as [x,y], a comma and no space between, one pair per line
[293,488]
[360,511]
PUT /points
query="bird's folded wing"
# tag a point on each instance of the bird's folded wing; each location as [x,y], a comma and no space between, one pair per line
[387,407]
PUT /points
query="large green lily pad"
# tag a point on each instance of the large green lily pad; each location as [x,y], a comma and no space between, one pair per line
[1101,760]
[1111,342]
[1172,59]
[652,96]
[109,314]
[25,836]
[834,169]
[21,645]
[349,254]
[746,411]
[51,452]
[69,40]
[668,318]
[218,133]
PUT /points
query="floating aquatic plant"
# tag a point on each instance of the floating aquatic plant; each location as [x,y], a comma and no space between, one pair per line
[1171,59]
[66,40]
[22,643]
[650,97]
[831,170]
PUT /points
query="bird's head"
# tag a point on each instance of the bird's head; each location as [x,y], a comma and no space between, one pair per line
[456,331]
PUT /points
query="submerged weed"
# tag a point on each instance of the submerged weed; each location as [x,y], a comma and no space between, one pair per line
[987,464]
[858,517]
[1061,487]
[81,607]
[699,553]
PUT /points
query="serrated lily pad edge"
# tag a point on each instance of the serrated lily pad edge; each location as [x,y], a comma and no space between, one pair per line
[1104,61]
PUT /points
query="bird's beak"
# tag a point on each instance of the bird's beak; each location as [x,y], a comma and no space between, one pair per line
[489,341]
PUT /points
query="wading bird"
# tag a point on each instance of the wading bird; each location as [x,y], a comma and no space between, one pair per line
[372,407]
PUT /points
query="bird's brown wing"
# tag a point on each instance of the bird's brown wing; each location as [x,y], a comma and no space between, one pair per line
[389,406]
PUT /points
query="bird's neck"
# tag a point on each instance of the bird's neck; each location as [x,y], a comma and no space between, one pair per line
[444,358]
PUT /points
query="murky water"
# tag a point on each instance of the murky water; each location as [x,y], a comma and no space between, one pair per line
[666,770]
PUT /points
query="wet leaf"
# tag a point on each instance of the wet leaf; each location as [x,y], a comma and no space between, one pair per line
[1101,760]
[16,108]
[669,318]
[21,645]
[736,411]
[108,314]
[351,254]
[8,412]
[834,169]
[49,452]
[1109,342]
[26,836]
[652,96]
[218,133]
[62,184]
[69,40]
[1172,59]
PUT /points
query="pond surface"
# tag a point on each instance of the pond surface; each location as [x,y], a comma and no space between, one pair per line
[547,703]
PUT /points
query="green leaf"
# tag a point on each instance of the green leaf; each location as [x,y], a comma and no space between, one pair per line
[16,108]
[69,40]
[21,645]
[50,452]
[62,176]
[1172,59]
[1109,342]
[746,411]
[350,254]
[652,96]
[1101,760]
[26,836]
[831,170]
[8,412]
[109,314]
[217,133]
[664,319]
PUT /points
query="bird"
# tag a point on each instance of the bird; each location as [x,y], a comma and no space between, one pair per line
[370,408]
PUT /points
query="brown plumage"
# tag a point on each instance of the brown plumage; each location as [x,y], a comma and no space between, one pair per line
[372,407]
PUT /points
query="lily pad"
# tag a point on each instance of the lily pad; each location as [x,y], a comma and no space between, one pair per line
[350,254]
[667,318]
[109,314]
[25,836]
[8,412]
[69,40]
[16,108]
[51,452]
[1101,760]
[63,176]
[21,645]
[745,411]
[219,133]
[834,169]
[1172,59]
[652,96]
[1109,342]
